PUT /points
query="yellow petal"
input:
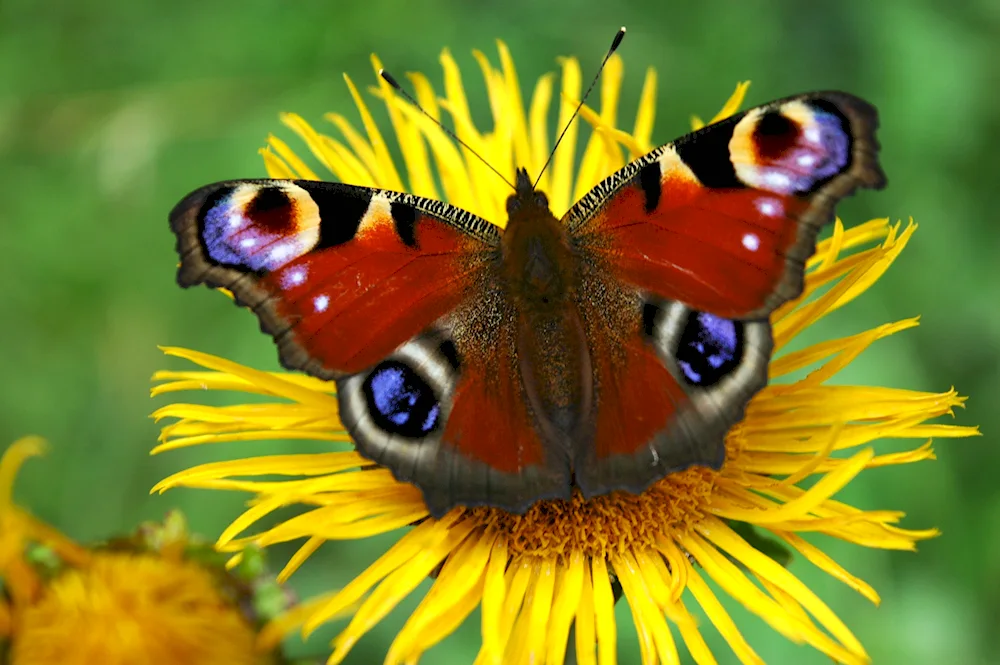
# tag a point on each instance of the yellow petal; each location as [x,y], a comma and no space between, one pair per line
[638,594]
[540,610]
[425,537]
[646,114]
[822,561]
[287,465]
[454,176]
[275,166]
[730,107]
[847,348]
[604,613]
[12,460]
[765,567]
[385,171]
[586,636]
[299,167]
[822,490]
[515,107]
[818,639]
[455,593]
[344,165]
[306,550]
[357,144]
[736,584]
[564,608]
[596,163]
[270,382]
[539,131]
[411,143]
[494,590]
[481,179]
[810,466]
[394,588]
[518,582]
[564,157]
[721,620]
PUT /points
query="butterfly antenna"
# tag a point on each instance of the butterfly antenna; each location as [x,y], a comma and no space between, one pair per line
[614,47]
[395,84]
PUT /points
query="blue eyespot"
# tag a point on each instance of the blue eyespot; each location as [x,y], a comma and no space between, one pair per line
[400,402]
[710,348]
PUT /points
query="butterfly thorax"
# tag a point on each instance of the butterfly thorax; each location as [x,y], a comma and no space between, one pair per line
[539,272]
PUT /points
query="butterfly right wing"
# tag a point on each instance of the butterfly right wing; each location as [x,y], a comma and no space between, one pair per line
[702,239]
[395,298]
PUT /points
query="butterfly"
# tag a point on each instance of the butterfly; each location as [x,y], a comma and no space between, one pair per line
[597,352]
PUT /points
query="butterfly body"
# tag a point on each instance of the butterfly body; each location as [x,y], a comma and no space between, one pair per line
[595,352]
[539,271]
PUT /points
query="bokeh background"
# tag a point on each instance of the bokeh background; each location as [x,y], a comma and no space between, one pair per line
[110,110]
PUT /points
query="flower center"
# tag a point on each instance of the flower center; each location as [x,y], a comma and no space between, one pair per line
[125,608]
[613,523]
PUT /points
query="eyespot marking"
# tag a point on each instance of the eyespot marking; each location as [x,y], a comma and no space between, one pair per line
[259,227]
[400,401]
[791,149]
[774,135]
[709,348]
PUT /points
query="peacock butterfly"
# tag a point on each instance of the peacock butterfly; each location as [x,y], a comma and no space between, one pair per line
[601,351]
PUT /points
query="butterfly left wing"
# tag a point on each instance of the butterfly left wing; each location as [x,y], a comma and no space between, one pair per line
[394,297]
[702,239]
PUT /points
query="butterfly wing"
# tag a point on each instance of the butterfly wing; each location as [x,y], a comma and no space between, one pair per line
[704,237]
[394,297]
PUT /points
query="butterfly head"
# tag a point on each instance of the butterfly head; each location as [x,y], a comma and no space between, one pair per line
[526,201]
[538,263]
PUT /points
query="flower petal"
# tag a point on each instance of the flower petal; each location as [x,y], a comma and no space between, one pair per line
[565,153]
[567,600]
[538,128]
[765,567]
[645,116]
[604,613]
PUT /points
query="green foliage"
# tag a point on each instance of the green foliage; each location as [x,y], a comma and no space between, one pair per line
[110,110]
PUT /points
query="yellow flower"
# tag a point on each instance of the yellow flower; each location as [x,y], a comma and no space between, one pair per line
[562,564]
[143,600]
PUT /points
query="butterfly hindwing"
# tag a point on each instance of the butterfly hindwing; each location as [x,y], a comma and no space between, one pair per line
[709,234]
[394,297]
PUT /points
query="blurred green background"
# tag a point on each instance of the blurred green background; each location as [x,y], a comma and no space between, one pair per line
[110,110]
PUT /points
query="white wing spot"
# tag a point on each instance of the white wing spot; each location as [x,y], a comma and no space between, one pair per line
[321,303]
[769,207]
[806,160]
[751,241]
[812,134]
[294,277]
[247,243]
[282,253]
[777,180]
